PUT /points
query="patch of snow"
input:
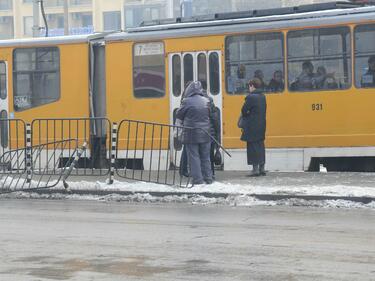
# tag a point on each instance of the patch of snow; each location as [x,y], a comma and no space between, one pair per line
[229,188]
[233,200]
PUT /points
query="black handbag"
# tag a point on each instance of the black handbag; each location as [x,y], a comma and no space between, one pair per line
[241,122]
[217,158]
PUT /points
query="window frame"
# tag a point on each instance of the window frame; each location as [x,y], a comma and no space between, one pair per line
[203,68]
[283,59]
[4,129]
[354,81]
[350,59]
[184,68]
[14,73]
[164,71]
[5,86]
[174,75]
[210,77]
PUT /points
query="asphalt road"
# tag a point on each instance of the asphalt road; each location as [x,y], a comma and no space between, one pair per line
[90,240]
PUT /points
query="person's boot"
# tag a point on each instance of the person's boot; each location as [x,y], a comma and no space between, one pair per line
[262,171]
[255,171]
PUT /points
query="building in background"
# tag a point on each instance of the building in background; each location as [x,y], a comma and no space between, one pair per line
[89,16]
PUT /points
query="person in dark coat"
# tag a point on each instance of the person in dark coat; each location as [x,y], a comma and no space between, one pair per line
[254,129]
[215,130]
[194,113]
[184,166]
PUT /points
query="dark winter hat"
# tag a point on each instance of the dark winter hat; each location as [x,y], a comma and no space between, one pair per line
[193,88]
[371,59]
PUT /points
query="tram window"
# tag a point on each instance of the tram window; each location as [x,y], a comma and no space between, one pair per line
[319,59]
[176,72]
[214,74]
[4,128]
[3,81]
[254,55]
[202,70]
[149,70]
[36,73]
[365,56]
[188,69]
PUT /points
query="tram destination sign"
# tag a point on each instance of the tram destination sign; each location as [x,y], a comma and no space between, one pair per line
[149,49]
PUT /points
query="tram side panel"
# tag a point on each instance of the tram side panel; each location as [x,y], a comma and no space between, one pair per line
[50,82]
[136,87]
[300,124]
[71,100]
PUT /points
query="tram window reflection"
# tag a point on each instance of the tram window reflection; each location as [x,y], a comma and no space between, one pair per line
[148,70]
[176,70]
[202,70]
[254,56]
[3,81]
[188,69]
[36,73]
[365,56]
[214,67]
[319,59]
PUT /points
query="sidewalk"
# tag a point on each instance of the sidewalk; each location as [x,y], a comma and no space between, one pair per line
[357,187]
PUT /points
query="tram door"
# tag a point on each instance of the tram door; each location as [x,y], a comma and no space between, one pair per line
[203,66]
[4,124]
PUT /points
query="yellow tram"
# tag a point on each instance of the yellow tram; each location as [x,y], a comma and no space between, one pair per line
[320,115]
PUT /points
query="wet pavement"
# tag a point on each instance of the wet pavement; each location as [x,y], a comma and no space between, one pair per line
[90,240]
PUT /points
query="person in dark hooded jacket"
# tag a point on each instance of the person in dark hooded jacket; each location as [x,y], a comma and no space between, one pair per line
[215,130]
[194,113]
[254,129]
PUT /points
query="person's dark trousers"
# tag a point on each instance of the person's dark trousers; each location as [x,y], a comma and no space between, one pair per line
[184,167]
[212,158]
[262,170]
[199,162]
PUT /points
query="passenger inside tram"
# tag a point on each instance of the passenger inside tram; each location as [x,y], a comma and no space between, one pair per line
[323,80]
[277,82]
[305,80]
[368,79]
[241,81]
[259,74]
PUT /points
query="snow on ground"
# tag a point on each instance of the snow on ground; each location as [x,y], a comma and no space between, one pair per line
[233,200]
[230,188]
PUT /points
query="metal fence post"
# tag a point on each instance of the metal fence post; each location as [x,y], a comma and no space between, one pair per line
[28,153]
[113,152]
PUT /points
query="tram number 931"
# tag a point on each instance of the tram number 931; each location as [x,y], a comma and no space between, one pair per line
[317,107]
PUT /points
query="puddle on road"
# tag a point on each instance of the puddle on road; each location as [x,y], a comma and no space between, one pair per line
[66,269]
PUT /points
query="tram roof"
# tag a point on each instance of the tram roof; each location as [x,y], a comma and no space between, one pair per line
[252,13]
[304,15]
[40,41]
[268,19]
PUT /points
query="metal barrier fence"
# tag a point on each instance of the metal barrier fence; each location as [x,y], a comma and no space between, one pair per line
[12,137]
[15,175]
[40,154]
[94,131]
[151,152]
[144,153]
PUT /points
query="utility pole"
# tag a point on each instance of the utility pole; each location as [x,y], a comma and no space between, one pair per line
[66,18]
[36,27]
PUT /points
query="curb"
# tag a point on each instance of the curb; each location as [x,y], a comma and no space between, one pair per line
[262,197]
